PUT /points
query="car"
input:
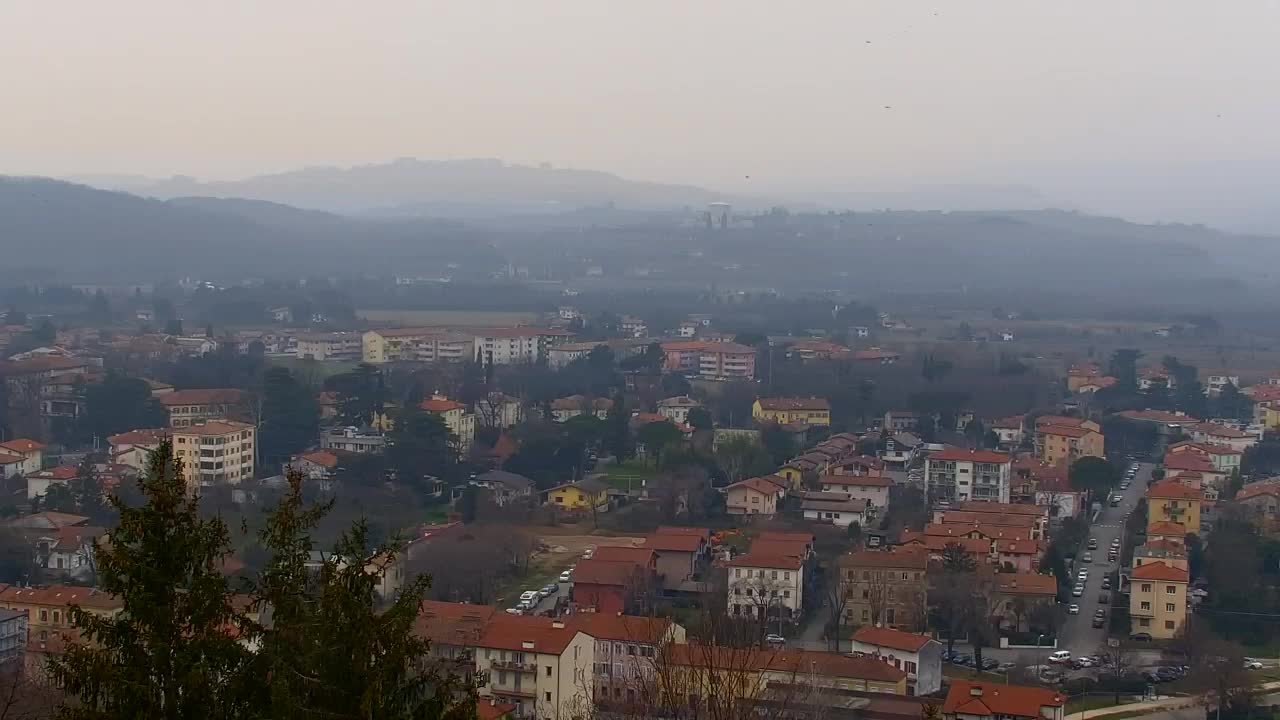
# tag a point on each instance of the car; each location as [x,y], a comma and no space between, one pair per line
[946,655]
[1106,583]
[1151,677]
[1005,667]
[990,663]
[1141,636]
[524,605]
[1100,613]
[1087,557]
[1168,674]
[549,590]
[1093,543]
[529,595]
[1061,656]
[515,611]
[1082,662]
[1077,591]
[1124,486]
[1083,574]
[1098,622]
[566,576]
[587,555]
[1073,609]
[1252,665]
[772,639]
[962,659]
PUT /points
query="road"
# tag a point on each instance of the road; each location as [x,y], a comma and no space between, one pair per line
[1078,634]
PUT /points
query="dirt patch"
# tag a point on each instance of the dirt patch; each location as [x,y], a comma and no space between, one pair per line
[560,551]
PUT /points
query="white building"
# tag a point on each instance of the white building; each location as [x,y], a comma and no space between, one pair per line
[27,456]
[872,488]
[919,656]
[766,584]
[958,475]
[676,409]
[1215,383]
[835,509]
[511,346]
[499,411]
[539,665]
[329,346]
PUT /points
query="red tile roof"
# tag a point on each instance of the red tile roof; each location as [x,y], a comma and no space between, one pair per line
[604,572]
[758,560]
[512,632]
[1270,486]
[61,472]
[22,445]
[937,543]
[681,530]
[904,558]
[439,405]
[790,661]
[795,403]
[490,709]
[449,623]
[323,458]
[857,480]
[1062,420]
[213,427]
[1159,571]
[759,485]
[1173,490]
[955,454]
[1026,584]
[1188,460]
[1165,527]
[59,596]
[967,697]
[780,547]
[989,530]
[148,436]
[642,556]
[1071,431]
[1159,416]
[964,517]
[890,638]
[6,459]
[208,396]
[1018,547]
[1217,430]
[661,542]
[624,628]
[1025,509]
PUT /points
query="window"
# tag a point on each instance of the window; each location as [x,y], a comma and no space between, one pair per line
[1168,624]
[44,616]
[1144,622]
[866,575]
[56,614]
[1146,587]
[646,652]
[1171,589]
[786,593]
[631,650]
[910,667]
[904,576]
[1170,607]
[737,572]
[775,575]
[866,615]
[1146,606]
[786,576]
[547,695]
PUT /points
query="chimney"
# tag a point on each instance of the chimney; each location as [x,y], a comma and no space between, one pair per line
[557,624]
[975,691]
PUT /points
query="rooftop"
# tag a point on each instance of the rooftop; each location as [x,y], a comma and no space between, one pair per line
[207,396]
[968,697]
[1159,571]
[905,558]
[1173,490]
[213,427]
[955,454]
[890,638]
[22,445]
[794,403]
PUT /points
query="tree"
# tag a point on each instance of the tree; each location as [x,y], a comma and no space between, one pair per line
[657,436]
[1093,475]
[619,429]
[17,558]
[168,653]
[956,559]
[121,403]
[290,417]
[952,602]
[700,419]
[421,446]
[382,670]
[1124,368]
[361,393]
[779,443]
[742,457]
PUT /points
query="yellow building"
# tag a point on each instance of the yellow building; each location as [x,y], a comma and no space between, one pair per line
[582,495]
[1270,416]
[416,345]
[811,411]
[460,422]
[1158,600]
[215,452]
[1171,501]
[1060,443]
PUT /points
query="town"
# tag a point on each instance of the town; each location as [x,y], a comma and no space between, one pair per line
[634,514]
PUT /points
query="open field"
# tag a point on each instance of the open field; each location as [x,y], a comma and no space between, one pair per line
[448,318]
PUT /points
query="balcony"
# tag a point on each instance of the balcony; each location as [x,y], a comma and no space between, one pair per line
[514,666]
[520,692]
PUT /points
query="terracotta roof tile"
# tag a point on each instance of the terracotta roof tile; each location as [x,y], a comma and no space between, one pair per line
[954,454]
[22,445]
[968,697]
[202,397]
[760,560]
[1159,571]
[1164,527]
[1173,490]
[795,403]
[890,638]
[513,632]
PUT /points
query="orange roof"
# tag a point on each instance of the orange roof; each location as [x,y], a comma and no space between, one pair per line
[452,623]
[890,638]
[938,543]
[1026,584]
[964,517]
[905,558]
[605,572]
[955,454]
[323,458]
[1159,416]
[148,436]
[780,547]
[1010,546]
[789,661]
[61,472]
[1270,486]
[662,542]
[1060,420]
[760,560]
[22,445]
[760,485]
[490,709]
[701,532]
[794,403]
[949,529]
[968,697]
[206,396]
[1071,431]
[1217,430]
[58,596]
[1188,461]
[1173,490]
[6,459]
[1159,571]
[620,553]
[1025,509]
[439,405]
[1164,527]
[624,628]
[514,632]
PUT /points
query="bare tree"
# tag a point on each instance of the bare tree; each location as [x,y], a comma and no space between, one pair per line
[839,591]
[26,695]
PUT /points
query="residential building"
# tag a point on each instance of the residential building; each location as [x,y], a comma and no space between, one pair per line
[680,554]
[315,464]
[1223,459]
[676,409]
[633,326]
[417,345]
[329,346]
[835,509]
[30,455]
[188,407]
[1261,499]
[354,440]
[1032,517]
[710,360]
[10,466]
[766,586]
[900,450]
[755,496]
[919,656]
[784,411]
[959,475]
[1165,530]
[38,483]
[626,649]
[886,588]
[1158,599]
[13,639]
[588,494]
[1018,594]
[872,488]
[461,423]
[497,410]
[504,487]
[215,452]
[616,580]
[1068,443]
[1215,382]
[1168,551]
[973,700]
[49,625]
[1009,431]
[540,665]
[574,405]
[898,421]
[1221,435]
[1172,501]
[516,345]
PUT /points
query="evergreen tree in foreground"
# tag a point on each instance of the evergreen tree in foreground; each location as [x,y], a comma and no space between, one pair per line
[168,653]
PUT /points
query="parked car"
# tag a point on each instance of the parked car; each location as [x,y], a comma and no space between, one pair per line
[529,595]
[962,659]
[1060,656]
[1077,591]
[1093,543]
[566,576]
[1098,622]
[1252,665]
[772,639]
[990,664]
[1142,637]
[1073,609]
[1082,662]
[549,590]
[1106,583]
[1088,557]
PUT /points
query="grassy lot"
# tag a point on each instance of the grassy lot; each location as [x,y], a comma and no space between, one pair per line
[1094,702]
[632,473]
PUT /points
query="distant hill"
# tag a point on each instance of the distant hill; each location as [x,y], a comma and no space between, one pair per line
[54,228]
[437,188]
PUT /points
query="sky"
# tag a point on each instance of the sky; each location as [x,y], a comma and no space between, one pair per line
[1141,106]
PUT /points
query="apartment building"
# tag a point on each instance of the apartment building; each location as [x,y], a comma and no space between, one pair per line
[1158,599]
[460,422]
[517,345]
[29,455]
[625,653]
[959,475]
[1068,443]
[417,345]
[329,346]
[766,585]
[811,411]
[188,407]
[542,666]
[710,360]
[1172,501]
[351,439]
[756,496]
[13,638]
[48,622]
[886,588]
[215,452]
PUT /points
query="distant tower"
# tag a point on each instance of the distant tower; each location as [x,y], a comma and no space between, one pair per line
[718,214]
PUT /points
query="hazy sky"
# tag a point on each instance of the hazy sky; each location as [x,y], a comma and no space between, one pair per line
[1093,100]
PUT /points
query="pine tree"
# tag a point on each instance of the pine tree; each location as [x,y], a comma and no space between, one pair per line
[328,650]
[168,652]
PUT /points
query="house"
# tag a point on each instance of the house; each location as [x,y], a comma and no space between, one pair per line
[1172,501]
[679,553]
[10,466]
[1068,443]
[38,483]
[973,700]
[811,411]
[13,639]
[836,509]
[766,586]
[540,665]
[1158,599]
[316,464]
[616,580]
[1018,594]
[1168,551]
[874,489]
[755,496]
[461,423]
[626,651]
[1216,382]
[900,449]
[919,656]
[1009,431]
[504,487]
[815,350]
[187,407]
[215,452]
[336,346]
[387,567]
[1216,434]
[67,552]
[48,622]
[898,421]
[676,409]
[633,326]
[131,448]
[497,410]
[417,345]
[1224,459]
[1032,517]
[30,455]
[574,405]
[958,475]
[353,440]
[1261,499]
[590,494]
[1165,530]
[861,331]
[886,588]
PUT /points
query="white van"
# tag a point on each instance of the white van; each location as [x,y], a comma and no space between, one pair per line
[1060,657]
